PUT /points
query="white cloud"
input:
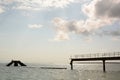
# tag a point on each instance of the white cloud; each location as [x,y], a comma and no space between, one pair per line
[88,39]
[42,4]
[61,29]
[61,36]
[35,26]
[86,27]
[37,4]
[116,39]
[1,10]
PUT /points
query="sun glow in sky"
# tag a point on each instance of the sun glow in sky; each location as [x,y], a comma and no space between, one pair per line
[50,31]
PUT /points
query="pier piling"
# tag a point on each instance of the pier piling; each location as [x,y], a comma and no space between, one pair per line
[104,70]
[71,63]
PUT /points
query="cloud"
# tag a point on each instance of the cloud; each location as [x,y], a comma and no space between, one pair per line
[1,10]
[61,36]
[115,33]
[100,13]
[115,38]
[36,4]
[35,26]
[64,28]
[61,29]
[82,27]
[108,8]
[88,39]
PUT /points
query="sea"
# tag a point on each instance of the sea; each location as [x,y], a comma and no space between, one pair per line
[80,72]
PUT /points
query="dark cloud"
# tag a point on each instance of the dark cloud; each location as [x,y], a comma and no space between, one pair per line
[108,8]
[112,33]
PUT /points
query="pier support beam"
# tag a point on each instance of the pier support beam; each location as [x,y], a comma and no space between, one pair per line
[71,64]
[104,70]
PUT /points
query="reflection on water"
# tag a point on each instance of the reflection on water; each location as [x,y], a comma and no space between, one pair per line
[36,73]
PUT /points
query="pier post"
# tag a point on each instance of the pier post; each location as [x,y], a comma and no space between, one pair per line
[71,64]
[104,70]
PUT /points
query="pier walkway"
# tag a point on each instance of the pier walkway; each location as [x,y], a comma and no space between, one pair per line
[96,57]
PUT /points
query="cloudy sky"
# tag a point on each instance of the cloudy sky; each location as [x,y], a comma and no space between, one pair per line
[50,31]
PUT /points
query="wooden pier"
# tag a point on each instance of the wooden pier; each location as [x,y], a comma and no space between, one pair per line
[96,57]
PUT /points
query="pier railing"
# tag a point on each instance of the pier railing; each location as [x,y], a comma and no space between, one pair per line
[97,55]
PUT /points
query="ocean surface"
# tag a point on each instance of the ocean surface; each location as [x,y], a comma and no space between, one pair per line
[80,72]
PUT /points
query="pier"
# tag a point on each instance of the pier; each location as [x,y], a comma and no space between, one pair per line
[96,57]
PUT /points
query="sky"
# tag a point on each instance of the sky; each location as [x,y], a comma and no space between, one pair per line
[50,31]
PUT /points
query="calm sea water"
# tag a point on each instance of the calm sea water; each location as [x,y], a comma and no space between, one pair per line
[80,72]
